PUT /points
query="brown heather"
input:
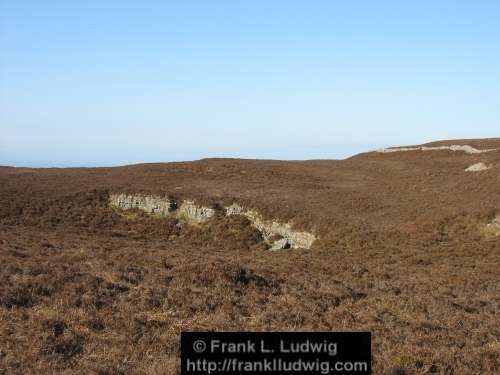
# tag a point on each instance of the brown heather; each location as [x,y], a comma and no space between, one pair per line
[401,252]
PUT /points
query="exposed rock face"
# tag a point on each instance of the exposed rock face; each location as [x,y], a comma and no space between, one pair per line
[465,148]
[269,228]
[194,214]
[151,204]
[478,167]
[234,209]
[280,244]
[163,207]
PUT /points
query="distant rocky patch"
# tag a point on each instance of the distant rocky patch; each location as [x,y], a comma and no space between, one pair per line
[465,148]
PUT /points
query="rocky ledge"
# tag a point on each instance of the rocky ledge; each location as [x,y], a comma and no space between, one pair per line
[278,235]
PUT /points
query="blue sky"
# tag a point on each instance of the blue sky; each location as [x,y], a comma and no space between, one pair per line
[117,82]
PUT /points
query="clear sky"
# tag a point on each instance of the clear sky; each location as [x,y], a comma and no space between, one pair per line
[117,82]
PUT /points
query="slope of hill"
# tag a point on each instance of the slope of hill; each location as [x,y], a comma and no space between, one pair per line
[406,245]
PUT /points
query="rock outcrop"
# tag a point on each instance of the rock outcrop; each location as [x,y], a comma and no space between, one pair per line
[148,203]
[278,235]
[192,213]
[161,206]
[280,244]
[270,229]
[465,148]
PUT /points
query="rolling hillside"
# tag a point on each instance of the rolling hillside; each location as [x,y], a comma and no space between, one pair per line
[403,243]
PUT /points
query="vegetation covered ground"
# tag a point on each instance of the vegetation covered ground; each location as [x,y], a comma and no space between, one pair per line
[401,252]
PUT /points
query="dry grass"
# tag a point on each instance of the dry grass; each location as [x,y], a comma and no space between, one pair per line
[84,289]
